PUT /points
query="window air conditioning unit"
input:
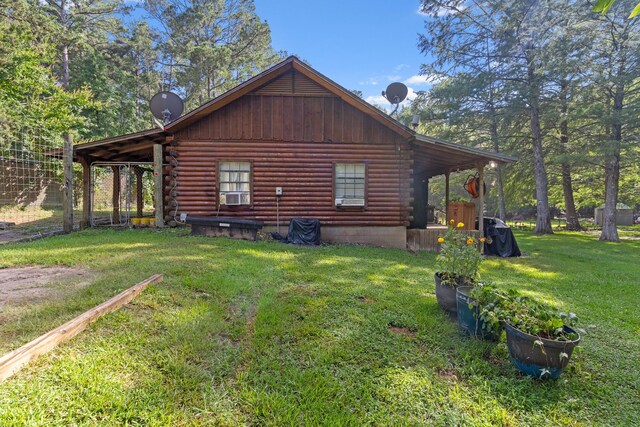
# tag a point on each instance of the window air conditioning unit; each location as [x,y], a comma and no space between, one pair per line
[349,202]
[233,199]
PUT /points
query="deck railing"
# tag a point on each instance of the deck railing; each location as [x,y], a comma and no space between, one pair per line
[427,239]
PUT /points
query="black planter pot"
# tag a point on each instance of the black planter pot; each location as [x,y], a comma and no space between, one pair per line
[469,317]
[546,361]
[446,295]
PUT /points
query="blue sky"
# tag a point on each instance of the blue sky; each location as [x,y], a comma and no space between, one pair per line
[362,45]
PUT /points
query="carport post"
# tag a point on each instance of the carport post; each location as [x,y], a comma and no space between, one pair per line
[158,187]
[446,198]
[139,199]
[86,192]
[115,201]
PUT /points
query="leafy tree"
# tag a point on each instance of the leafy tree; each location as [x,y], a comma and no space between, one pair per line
[31,101]
[209,46]
[617,52]
[506,40]
[78,25]
[557,85]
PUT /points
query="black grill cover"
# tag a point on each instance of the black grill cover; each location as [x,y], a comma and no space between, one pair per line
[303,231]
[503,242]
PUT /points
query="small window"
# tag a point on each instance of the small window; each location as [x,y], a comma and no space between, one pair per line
[350,181]
[235,183]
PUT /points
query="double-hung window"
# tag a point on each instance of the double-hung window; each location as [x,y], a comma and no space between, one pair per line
[350,184]
[235,183]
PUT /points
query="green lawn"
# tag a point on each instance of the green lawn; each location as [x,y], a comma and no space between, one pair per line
[244,333]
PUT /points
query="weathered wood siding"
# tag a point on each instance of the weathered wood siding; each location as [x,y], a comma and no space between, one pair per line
[293,135]
[427,239]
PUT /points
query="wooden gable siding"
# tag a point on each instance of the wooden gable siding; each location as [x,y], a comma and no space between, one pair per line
[290,118]
[292,142]
[293,83]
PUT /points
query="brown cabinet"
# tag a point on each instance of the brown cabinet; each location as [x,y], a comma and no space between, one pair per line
[464,212]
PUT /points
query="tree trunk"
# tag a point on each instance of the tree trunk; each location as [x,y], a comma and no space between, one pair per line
[496,145]
[612,170]
[501,202]
[543,216]
[65,67]
[573,223]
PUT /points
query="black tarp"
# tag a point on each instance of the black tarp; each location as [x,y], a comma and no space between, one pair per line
[503,243]
[302,231]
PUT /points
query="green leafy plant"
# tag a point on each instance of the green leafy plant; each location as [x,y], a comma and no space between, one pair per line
[523,313]
[459,259]
[492,303]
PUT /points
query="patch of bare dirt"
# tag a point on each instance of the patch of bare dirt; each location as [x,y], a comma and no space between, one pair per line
[366,300]
[400,330]
[35,283]
[449,374]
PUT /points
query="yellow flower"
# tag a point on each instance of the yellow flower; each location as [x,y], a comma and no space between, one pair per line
[440,239]
[460,225]
[469,241]
[482,240]
[452,221]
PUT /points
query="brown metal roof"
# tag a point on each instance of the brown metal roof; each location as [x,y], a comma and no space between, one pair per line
[291,63]
[433,155]
[133,147]
[438,156]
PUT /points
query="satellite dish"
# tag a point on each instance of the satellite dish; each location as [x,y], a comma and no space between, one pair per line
[166,106]
[396,93]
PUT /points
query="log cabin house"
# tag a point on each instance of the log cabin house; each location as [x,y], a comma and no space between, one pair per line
[333,156]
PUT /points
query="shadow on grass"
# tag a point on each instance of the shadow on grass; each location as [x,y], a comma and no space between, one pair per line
[266,333]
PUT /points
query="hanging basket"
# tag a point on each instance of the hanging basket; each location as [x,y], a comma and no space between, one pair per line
[472,185]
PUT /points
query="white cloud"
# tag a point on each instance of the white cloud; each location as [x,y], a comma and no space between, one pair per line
[377,100]
[401,67]
[372,81]
[419,80]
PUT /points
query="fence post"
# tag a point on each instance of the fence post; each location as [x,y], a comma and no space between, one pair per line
[67,192]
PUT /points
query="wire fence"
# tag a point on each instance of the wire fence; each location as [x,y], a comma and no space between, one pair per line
[31,184]
[120,193]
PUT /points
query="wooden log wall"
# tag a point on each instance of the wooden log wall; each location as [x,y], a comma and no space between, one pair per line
[293,142]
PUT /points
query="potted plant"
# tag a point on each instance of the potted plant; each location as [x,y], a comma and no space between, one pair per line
[472,319]
[458,263]
[540,339]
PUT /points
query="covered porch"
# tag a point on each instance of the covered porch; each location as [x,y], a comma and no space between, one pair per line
[137,154]
[435,157]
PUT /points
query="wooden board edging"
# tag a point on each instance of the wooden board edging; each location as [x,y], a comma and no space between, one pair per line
[12,362]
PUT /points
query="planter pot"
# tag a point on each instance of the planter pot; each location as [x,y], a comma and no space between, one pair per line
[546,361]
[469,317]
[446,295]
